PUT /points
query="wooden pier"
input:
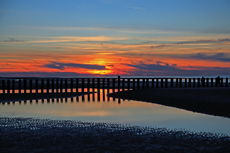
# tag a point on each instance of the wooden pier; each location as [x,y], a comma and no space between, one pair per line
[61,85]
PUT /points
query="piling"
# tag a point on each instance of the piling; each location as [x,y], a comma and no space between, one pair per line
[194,82]
[103,84]
[108,84]
[177,82]
[207,82]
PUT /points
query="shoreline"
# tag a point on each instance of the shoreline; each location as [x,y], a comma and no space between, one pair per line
[212,101]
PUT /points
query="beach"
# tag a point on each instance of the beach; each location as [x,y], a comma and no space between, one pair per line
[44,135]
[213,101]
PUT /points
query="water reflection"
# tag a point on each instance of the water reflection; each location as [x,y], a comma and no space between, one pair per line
[98,107]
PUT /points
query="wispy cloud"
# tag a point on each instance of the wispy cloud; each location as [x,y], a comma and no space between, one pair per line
[62,66]
[13,40]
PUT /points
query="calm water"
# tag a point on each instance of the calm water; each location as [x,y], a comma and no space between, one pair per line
[99,108]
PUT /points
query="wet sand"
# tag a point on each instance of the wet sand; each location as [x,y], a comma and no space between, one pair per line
[42,135]
[213,101]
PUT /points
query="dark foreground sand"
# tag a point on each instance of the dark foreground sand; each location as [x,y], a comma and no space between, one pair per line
[213,101]
[40,135]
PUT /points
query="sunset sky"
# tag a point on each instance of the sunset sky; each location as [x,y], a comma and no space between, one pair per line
[114,37]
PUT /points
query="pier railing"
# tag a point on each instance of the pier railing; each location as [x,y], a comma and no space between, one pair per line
[59,85]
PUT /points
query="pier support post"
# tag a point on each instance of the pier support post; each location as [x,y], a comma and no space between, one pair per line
[153,82]
[171,82]
[13,86]
[147,83]
[77,84]
[226,81]
[190,82]
[24,80]
[31,85]
[118,83]
[82,85]
[157,83]
[36,85]
[8,86]
[47,86]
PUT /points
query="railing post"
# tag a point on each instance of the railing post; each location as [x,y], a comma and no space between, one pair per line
[47,85]
[153,82]
[36,85]
[226,82]
[113,84]
[8,86]
[31,85]
[57,86]
[52,85]
[77,84]
[13,86]
[88,84]
[177,82]
[138,83]
[211,82]
[24,80]
[180,82]
[198,82]
[66,85]
[171,82]
[61,85]
[147,83]
[42,86]
[82,84]
[143,83]
[98,84]
[162,83]
[103,84]
[185,82]
[166,82]
[123,84]
[128,84]
[207,82]
[118,81]
[157,83]
[222,82]
[194,82]
[108,84]
[190,82]
[133,83]
[93,83]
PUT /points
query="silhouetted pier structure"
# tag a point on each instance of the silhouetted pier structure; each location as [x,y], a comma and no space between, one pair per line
[61,85]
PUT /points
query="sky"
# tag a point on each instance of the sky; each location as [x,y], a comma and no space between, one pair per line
[71,38]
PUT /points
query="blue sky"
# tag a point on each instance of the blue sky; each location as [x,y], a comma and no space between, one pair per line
[118,27]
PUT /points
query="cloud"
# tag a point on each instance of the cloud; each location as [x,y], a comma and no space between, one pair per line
[205,41]
[62,66]
[217,57]
[164,69]
[13,40]
[41,74]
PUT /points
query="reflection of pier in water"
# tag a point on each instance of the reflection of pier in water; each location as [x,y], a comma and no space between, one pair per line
[91,97]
